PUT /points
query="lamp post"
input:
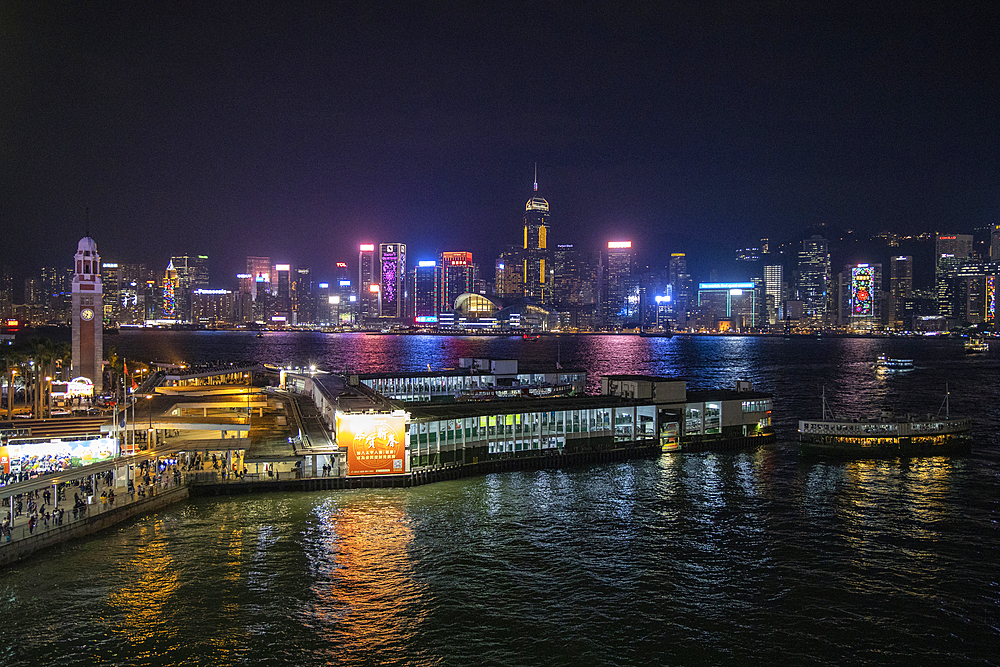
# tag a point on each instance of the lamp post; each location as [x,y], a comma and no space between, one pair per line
[149,436]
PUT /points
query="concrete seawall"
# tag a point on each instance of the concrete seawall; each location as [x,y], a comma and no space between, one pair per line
[11,552]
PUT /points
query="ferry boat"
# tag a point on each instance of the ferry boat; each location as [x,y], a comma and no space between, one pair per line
[886,434]
[891,363]
[976,345]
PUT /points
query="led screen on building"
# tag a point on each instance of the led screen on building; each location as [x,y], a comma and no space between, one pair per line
[862,278]
[376,444]
[991,297]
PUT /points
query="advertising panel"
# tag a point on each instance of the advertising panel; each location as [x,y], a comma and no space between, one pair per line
[376,444]
[862,278]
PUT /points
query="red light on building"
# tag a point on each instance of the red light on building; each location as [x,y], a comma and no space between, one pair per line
[373,288]
[341,265]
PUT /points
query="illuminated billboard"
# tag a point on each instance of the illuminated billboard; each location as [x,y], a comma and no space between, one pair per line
[619,244]
[376,444]
[367,247]
[862,284]
[991,297]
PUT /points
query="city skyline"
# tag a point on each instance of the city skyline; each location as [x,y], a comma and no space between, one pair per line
[286,132]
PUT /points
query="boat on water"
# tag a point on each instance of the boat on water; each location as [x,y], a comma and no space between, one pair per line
[886,434]
[893,364]
[528,336]
[976,345]
[656,333]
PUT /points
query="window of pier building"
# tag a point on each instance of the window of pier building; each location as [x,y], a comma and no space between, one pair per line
[713,418]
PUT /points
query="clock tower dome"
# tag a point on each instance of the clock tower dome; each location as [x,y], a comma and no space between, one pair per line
[88,313]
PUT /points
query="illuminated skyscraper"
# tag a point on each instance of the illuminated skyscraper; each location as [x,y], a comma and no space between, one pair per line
[680,282]
[366,279]
[900,288]
[392,280]
[620,289]
[951,252]
[170,293]
[88,304]
[281,294]
[426,289]
[866,296]
[773,301]
[192,274]
[458,276]
[303,301]
[259,269]
[814,278]
[537,264]
[509,283]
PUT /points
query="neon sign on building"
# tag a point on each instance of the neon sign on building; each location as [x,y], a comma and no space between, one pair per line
[862,285]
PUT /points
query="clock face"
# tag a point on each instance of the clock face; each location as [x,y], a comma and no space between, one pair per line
[86,314]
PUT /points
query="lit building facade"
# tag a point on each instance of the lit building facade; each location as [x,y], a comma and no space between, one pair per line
[509,282]
[392,280]
[680,283]
[619,287]
[192,274]
[426,287]
[728,306]
[368,299]
[536,261]
[814,278]
[458,276]
[900,288]
[865,297]
[774,277]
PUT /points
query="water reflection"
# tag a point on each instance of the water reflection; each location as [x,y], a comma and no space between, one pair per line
[366,599]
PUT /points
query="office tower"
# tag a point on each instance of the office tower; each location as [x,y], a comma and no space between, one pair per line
[257,268]
[865,296]
[537,266]
[952,251]
[303,301]
[680,282]
[567,284]
[457,277]
[620,293]
[392,280]
[170,293]
[6,291]
[192,274]
[426,290]
[995,243]
[367,296]
[88,304]
[509,282]
[900,288]
[280,309]
[112,280]
[814,278]
[773,278]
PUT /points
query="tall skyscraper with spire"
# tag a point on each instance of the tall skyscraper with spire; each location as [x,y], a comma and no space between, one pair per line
[537,262]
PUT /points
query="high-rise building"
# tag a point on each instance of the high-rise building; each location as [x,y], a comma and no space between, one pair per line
[537,264]
[900,288]
[509,282]
[280,308]
[865,297]
[257,268]
[995,243]
[192,274]
[112,279]
[303,301]
[814,278]
[952,251]
[367,296]
[426,290]
[458,275]
[774,276]
[680,283]
[88,304]
[170,293]
[620,289]
[392,280]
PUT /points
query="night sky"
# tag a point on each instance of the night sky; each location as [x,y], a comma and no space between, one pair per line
[298,130]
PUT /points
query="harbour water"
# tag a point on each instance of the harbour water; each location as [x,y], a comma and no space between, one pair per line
[754,557]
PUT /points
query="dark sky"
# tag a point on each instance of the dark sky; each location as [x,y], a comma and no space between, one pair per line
[298,130]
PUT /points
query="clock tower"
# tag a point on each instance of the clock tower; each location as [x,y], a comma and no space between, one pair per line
[88,314]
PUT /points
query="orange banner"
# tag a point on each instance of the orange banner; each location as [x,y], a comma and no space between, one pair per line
[376,444]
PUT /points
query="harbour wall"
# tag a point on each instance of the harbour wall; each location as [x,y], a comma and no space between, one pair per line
[19,549]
